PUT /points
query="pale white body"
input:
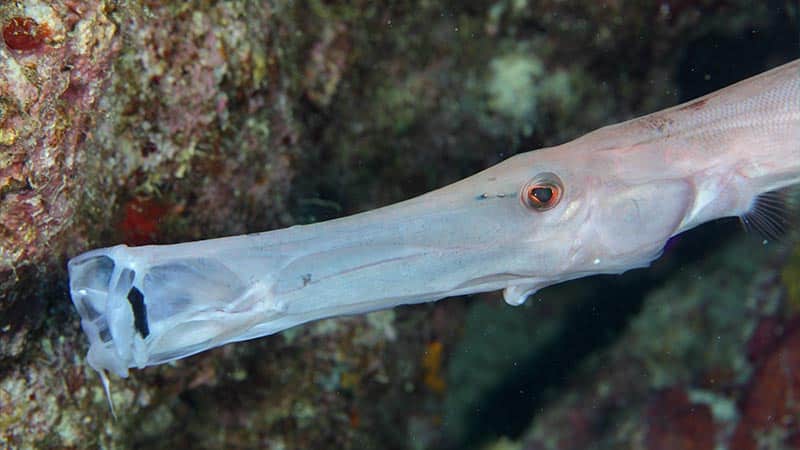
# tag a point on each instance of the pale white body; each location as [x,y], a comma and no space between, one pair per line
[627,189]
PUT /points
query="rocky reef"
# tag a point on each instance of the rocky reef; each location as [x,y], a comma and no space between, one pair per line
[158,122]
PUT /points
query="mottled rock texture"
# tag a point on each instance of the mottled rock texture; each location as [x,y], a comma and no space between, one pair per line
[160,121]
[700,360]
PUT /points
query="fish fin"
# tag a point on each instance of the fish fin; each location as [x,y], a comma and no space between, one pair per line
[774,213]
[107,388]
[517,294]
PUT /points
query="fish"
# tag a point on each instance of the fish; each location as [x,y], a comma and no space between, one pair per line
[604,203]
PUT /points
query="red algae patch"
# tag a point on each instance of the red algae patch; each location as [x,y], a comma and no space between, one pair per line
[674,422]
[142,220]
[772,405]
[25,34]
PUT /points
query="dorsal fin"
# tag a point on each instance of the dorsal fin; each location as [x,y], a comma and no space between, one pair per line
[774,213]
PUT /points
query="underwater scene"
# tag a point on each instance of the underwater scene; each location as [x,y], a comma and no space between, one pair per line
[448,256]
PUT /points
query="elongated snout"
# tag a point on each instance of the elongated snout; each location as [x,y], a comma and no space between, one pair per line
[148,305]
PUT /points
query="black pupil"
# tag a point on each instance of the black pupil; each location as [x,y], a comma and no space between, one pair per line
[542,194]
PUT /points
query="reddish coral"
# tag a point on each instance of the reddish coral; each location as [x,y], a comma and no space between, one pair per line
[43,172]
[764,338]
[24,33]
[773,401]
[675,422]
[141,220]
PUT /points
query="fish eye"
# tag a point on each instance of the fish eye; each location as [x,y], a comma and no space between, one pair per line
[543,192]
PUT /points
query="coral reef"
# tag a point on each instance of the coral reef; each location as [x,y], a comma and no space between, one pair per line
[54,63]
[161,121]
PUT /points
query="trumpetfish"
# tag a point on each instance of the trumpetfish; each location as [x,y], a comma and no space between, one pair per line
[604,203]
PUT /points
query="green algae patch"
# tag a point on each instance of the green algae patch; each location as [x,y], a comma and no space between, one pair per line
[513,87]
[790,277]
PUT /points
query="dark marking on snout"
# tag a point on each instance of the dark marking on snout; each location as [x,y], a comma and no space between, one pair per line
[486,196]
[136,299]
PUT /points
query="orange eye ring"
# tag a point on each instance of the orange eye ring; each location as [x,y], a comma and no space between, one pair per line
[543,192]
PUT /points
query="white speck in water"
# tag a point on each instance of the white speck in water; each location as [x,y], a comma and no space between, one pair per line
[764,242]
[596,261]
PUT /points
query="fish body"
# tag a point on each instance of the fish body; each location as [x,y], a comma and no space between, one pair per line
[604,203]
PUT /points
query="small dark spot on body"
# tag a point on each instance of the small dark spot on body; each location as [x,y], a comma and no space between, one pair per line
[659,124]
[485,196]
